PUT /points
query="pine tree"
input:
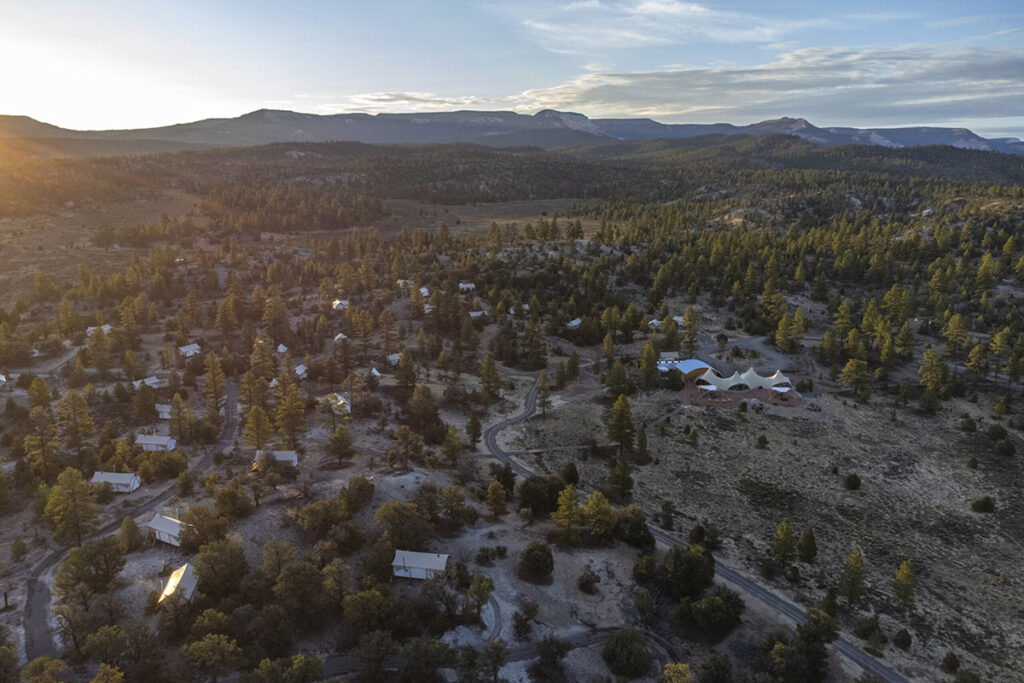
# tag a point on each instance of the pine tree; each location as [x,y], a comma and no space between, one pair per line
[620,424]
[473,429]
[262,362]
[180,424]
[856,376]
[258,428]
[689,333]
[70,508]
[490,379]
[543,393]
[78,424]
[568,515]
[405,370]
[620,481]
[42,446]
[214,388]
[807,547]
[648,365]
[851,579]
[904,584]
[784,543]
[291,415]
[340,444]
[933,371]
[497,499]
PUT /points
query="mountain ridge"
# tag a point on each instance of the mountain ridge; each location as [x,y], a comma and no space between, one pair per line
[548,129]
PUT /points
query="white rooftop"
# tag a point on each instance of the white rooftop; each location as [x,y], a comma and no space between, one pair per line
[430,561]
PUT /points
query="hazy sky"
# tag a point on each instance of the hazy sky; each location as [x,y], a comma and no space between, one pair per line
[111,64]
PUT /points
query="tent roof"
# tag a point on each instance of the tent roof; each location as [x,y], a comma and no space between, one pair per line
[112,477]
[409,558]
[168,525]
[153,440]
[749,378]
[182,581]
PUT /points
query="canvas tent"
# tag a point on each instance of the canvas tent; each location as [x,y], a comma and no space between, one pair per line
[166,529]
[412,565]
[287,457]
[189,350]
[692,368]
[120,482]
[749,379]
[151,442]
[181,583]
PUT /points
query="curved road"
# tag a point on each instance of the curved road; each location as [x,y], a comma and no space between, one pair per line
[36,620]
[722,571]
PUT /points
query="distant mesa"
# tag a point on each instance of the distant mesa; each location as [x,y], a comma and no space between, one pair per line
[547,129]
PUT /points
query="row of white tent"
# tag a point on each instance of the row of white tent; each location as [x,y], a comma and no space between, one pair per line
[711,381]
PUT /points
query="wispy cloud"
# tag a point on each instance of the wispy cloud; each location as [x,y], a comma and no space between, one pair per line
[585,26]
[908,85]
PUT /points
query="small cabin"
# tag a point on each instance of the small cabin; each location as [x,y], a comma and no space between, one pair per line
[152,382]
[467,286]
[301,371]
[285,457]
[341,336]
[121,482]
[181,583]
[340,304]
[421,566]
[163,411]
[574,324]
[106,330]
[189,350]
[152,442]
[166,529]
[339,404]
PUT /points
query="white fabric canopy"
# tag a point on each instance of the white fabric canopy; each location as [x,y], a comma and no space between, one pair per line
[748,378]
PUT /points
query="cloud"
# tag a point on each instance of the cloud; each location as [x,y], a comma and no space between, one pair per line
[910,85]
[872,87]
[584,26]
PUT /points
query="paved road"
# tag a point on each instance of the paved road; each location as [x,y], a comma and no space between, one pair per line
[38,638]
[722,571]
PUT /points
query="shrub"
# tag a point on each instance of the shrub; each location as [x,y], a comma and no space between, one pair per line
[588,580]
[996,432]
[762,441]
[902,639]
[1005,448]
[536,563]
[984,504]
[968,425]
[805,385]
[626,654]
[711,618]
[851,482]
[950,663]
[18,550]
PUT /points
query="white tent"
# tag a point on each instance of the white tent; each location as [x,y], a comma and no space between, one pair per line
[688,367]
[120,482]
[152,381]
[151,442]
[749,378]
[166,529]
[189,350]
[412,565]
[339,404]
[181,583]
[287,457]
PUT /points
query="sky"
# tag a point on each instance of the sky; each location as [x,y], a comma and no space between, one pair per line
[107,64]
